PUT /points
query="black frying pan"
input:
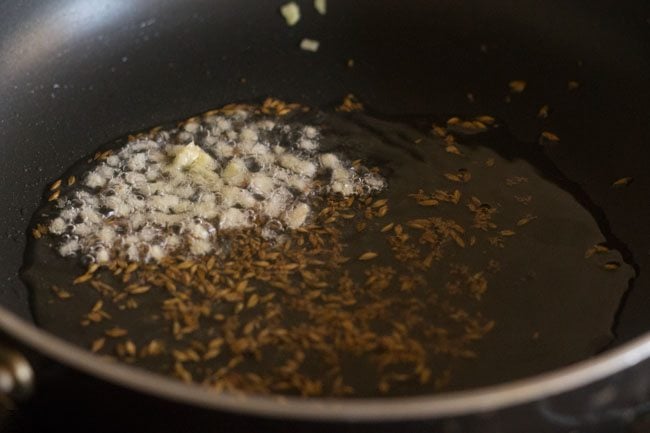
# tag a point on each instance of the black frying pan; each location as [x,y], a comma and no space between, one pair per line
[76,74]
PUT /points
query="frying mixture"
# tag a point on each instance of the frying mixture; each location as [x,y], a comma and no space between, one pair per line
[278,248]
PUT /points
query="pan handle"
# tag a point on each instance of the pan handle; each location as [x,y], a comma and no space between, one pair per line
[16,374]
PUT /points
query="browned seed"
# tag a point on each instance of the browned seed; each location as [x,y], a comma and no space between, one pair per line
[92,268]
[249,328]
[60,293]
[241,286]
[453,177]
[425,375]
[138,290]
[624,181]
[98,306]
[428,202]
[180,356]
[36,234]
[477,124]
[253,301]
[453,149]
[382,211]
[379,203]
[211,354]
[153,348]
[507,233]
[453,121]
[97,345]
[82,278]
[572,85]
[369,255]
[129,348]
[55,185]
[611,266]
[517,86]
[543,112]
[439,130]
[54,195]
[488,120]
[601,248]
[182,373]
[71,180]
[456,237]
[131,267]
[489,162]
[525,220]
[550,136]
[116,332]
[388,227]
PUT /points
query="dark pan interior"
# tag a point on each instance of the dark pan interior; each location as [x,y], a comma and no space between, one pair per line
[77,73]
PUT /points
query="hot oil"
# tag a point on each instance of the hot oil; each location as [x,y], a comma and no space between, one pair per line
[477,265]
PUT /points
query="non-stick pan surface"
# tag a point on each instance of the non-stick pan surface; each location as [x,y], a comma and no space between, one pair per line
[76,74]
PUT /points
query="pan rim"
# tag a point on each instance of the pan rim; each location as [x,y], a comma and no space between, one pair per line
[456,403]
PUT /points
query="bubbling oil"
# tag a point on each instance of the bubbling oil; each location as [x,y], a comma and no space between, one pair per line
[477,264]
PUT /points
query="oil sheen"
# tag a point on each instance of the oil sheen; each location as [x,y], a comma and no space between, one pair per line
[486,264]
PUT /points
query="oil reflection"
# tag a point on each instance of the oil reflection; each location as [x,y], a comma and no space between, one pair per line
[56,26]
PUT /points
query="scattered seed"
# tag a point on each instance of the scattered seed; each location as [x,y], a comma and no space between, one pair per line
[97,345]
[138,290]
[543,112]
[453,149]
[55,185]
[525,220]
[61,293]
[116,332]
[517,86]
[253,301]
[368,255]
[82,278]
[550,136]
[54,195]
[624,181]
